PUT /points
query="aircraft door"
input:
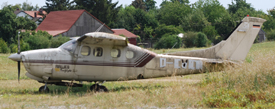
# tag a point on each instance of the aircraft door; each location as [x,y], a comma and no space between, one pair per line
[89,63]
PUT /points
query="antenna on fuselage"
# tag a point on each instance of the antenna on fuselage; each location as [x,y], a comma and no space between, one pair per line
[172,48]
[100,28]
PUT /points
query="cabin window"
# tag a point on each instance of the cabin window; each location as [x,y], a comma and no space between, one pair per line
[85,51]
[115,53]
[129,54]
[98,51]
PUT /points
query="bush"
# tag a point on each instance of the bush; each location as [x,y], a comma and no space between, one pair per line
[202,40]
[167,29]
[168,41]
[59,40]
[193,39]
[37,40]
[3,46]
[270,35]
[13,48]
[23,47]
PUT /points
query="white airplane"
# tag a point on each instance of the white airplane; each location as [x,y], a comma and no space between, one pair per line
[97,57]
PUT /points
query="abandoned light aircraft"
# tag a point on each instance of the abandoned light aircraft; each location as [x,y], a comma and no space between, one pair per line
[97,57]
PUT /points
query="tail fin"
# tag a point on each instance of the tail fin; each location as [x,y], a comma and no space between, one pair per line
[235,47]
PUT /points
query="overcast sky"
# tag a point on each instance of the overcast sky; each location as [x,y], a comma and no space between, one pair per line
[263,5]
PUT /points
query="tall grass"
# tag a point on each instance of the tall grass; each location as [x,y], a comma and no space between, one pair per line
[248,85]
[8,68]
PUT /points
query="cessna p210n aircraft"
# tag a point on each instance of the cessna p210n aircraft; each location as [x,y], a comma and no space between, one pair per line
[97,57]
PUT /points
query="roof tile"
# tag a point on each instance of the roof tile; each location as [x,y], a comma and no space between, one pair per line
[125,32]
[61,21]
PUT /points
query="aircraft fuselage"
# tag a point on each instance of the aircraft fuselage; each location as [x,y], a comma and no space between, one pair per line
[81,63]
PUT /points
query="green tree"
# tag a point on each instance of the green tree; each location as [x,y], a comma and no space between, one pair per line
[150,4]
[212,9]
[143,20]
[194,21]
[234,7]
[172,13]
[104,10]
[57,5]
[28,7]
[270,23]
[10,24]
[137,21]
[224,25]
[210,32]
[181,1]
[126,18]
[139,4]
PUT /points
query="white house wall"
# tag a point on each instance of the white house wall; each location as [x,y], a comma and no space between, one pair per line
[23,14]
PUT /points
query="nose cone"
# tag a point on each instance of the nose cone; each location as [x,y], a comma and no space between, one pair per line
[15,57]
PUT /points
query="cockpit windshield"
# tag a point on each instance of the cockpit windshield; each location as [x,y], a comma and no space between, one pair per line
[69,46]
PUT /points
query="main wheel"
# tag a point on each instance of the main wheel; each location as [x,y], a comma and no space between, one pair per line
[43,90]
[94,88]
[98,88]
[103,89]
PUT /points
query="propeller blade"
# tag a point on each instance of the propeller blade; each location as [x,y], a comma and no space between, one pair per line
[18,64]
[18,43]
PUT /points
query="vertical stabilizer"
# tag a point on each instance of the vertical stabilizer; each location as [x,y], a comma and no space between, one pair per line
[240,41]
[236,46]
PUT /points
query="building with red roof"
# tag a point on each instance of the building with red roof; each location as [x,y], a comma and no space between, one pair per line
[71,23]
[132,38]
[36,16]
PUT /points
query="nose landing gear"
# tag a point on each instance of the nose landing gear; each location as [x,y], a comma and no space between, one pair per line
[44,89]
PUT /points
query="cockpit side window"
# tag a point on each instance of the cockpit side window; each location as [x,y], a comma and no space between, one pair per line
[85,51]
[98,51]
[69,46]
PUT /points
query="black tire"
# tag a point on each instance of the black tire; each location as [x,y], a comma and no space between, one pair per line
[103,89]
[98,88]
[43,90]
[94,88]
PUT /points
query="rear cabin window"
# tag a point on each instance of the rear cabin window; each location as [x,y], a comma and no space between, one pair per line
[130,54]
[98,52]
[115,53]
[85,51]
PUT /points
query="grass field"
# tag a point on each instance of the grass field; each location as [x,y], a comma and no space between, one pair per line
[250,85]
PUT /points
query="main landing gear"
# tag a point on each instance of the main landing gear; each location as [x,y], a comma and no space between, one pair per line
[94,88]
[98,88]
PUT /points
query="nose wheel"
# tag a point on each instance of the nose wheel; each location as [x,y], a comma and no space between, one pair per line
[44,89]
[98,88]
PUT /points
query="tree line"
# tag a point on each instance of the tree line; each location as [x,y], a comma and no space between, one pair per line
[203,23]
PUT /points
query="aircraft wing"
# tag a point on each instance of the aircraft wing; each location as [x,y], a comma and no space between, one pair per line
[101,38]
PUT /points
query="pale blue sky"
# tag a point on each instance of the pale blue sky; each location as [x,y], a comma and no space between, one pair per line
[263,5]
